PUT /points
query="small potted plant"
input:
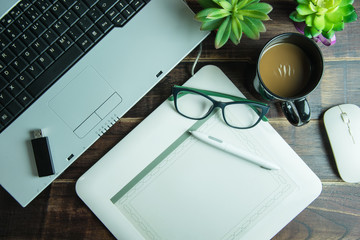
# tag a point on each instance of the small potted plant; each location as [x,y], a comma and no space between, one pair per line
[232,18]
[320,19]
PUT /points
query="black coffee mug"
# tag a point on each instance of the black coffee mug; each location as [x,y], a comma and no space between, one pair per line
[288,72]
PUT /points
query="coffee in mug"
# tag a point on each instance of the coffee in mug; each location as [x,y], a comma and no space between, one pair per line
[290,66]
[285,69]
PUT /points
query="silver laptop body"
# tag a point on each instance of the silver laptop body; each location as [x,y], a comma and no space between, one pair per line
[100,88]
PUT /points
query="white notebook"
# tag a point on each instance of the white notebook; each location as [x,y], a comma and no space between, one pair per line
[160,182]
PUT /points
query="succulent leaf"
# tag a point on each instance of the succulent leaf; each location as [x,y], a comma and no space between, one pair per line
[223,33]
[211,25]
[333,17]
[324,16]
[226,5]
[328,34]
[233,2]
[346,2]
[250,29]
[254,14]
[346,10]
[350,18]
[304,9]
[234,39]
[319,22]
[296,17]
[314,32]
[233,18]
[262,7]
[259,25]
[303,1]
[207,4]
[218,13]
[309,20]
[339,26]
[236,28]
[307,32]
[328,26]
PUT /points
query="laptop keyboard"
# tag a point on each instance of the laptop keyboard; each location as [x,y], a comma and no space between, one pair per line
[41,39]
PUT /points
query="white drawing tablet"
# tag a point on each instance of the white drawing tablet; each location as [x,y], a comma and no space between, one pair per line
[159,182]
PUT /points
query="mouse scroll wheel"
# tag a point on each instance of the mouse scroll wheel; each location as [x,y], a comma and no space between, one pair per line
[345,118]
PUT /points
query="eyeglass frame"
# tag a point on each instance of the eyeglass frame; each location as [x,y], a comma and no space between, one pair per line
[218,104]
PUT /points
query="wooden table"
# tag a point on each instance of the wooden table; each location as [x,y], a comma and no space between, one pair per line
[58,213]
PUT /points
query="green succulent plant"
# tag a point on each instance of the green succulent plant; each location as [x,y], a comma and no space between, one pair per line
[232,18]
[324,16]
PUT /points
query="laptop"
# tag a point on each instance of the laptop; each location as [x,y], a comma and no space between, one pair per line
[70,69]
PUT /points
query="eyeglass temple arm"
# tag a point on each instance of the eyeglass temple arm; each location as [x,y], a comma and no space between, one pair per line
[217,94]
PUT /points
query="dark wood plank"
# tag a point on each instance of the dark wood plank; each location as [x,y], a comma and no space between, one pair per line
[58,213]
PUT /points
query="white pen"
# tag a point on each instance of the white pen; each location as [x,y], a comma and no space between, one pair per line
[234,150]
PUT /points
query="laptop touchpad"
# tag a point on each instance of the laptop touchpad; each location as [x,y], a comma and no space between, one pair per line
[85,101]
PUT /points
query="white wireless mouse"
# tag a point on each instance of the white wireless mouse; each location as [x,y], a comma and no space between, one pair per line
[342,125]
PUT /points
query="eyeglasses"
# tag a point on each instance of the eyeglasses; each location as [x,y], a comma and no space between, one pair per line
[197,104]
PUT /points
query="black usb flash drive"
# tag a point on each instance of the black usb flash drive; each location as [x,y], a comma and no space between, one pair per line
[43,159]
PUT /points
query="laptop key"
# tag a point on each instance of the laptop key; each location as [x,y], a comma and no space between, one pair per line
[3,83]
[47,18]
[54,51]
[94,13]
[42,4]
[60,27]
[119,21]
[70,18]
[19,64]
[79,8]
[45,60]
[9,73]
[85,43]
[24,79]
[24,98]
[66,3]
[4,41]
[29,55]
[22,22]
[27,37]
[104,24]
[84,23]
[50,36]
[17,47]
[14,88]
[128,12]
[57,9]
[94,33]
[64,42]
[12,32]
[112,13]
[121,5]
[7,56]
[90,3]
[74,32]
[34,69]
[5,117]
[38,28]
[24,4]
[50,75]
[105,5]
[14,107]
[5,97]
[137,4]
[32,13]
[39,45]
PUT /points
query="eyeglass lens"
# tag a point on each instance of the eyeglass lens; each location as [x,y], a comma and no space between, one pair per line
[196,106]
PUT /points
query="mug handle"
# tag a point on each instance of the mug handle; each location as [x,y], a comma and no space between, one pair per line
[297,112]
